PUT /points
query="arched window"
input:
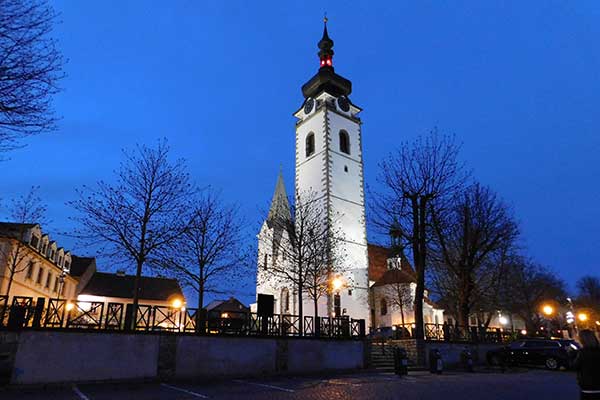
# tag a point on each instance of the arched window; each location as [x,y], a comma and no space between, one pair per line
[383,306]
[285,301]
[310,144]
[344,142]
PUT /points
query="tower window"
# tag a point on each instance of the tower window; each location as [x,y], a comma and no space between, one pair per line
[344,142]
[310,144]
[345,168]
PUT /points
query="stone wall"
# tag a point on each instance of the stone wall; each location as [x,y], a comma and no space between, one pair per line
[418,351]
[39,357]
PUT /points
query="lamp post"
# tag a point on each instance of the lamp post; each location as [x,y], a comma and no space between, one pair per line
[548,310]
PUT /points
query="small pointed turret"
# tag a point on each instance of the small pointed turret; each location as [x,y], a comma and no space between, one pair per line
[280,206]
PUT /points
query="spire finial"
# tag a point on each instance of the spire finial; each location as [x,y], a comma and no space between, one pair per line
[325,46]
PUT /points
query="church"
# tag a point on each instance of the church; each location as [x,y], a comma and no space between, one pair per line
[329,163]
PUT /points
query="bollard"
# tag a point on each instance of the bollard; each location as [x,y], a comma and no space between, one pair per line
[400,361]
[467,359]
[436,365]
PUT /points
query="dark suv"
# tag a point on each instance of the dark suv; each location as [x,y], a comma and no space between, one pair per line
[549,353]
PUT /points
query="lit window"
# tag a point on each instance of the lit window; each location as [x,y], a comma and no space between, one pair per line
[310,144]
[29,272]
[344,142]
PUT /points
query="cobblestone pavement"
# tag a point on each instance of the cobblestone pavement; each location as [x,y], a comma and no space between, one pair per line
[533,384]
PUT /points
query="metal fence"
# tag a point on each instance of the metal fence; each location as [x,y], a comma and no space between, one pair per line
[43,313]
[456,333]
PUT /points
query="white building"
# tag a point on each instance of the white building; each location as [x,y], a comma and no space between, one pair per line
[329,162]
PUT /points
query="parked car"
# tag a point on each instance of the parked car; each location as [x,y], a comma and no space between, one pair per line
[550,353]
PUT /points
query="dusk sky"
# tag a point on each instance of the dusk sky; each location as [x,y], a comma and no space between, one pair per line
[517,82]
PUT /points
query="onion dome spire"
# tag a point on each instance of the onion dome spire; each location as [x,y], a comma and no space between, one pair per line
[326,47]
[326,80]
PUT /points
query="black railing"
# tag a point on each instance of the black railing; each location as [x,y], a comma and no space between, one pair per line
[455,333]
[29,313]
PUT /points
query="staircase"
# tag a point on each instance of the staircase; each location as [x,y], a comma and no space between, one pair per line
[382,357]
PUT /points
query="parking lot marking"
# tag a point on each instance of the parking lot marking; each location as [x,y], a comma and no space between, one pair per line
[266,386]
[184,391]
[79,393]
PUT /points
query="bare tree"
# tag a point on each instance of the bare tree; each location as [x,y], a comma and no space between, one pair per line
[469,234]
[531,285]
[26,211]
[142,214]
[400,296]
[414,180]
[307,246]
[588,288]
[210,252]
[30,68]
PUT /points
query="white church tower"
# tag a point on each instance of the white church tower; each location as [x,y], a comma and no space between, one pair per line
[329,163]
[329,166]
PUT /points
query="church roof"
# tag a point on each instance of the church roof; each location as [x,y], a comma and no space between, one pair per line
[379,270]
[151,288]
[395,276]
[280,206]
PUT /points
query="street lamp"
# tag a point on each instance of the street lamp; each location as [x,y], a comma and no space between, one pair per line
[582,316]
[548,310]
[337,284]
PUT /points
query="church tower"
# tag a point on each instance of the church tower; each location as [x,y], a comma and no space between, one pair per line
[329,164]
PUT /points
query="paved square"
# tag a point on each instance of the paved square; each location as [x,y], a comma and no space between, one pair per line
[532,384]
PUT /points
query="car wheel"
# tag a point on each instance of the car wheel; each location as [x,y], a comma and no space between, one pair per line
[552,363]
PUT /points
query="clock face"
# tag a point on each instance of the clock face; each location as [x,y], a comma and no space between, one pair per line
[343,104]
[308,105]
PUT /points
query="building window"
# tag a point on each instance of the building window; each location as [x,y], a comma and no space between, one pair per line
[265,265]
[383,306]
[56,284]
[34,242]
[344,142]
[29,273]
[337,305]
[63,289]
[345,168]
[310,144]
[39,276]
[48,280]
[67,265]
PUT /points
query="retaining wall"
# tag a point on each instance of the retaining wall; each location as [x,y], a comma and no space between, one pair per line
[37,357]
[418,351]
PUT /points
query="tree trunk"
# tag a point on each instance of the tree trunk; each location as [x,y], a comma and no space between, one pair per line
[136,292]
[402,315]
[419,244]
[316,304]
[300,314]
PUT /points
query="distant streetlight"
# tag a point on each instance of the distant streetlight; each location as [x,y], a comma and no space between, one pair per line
[582,317]
[548,310]
[503,320]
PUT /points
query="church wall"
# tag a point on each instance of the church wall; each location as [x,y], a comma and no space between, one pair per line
[309,170]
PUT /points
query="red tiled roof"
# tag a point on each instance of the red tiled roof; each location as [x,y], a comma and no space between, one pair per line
[378,256]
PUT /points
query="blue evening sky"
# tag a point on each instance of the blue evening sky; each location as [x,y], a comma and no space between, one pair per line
[518,82]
